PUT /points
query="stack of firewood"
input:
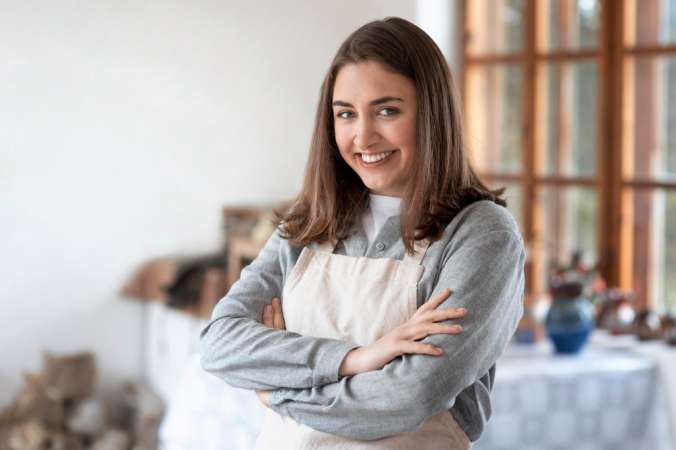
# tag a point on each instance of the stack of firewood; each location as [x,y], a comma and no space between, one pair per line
[57,410]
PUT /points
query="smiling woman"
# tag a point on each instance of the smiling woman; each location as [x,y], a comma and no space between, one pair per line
[392,239]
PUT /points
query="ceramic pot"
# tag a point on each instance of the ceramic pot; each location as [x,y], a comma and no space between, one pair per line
[570,319]
[669,329]
[648,326]
[617,315]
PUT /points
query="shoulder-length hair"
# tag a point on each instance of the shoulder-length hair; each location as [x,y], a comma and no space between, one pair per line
[442,180]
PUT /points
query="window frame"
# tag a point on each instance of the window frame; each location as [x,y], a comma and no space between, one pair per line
[615,48]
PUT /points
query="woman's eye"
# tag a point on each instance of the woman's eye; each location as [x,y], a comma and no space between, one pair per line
[388,111]
[343,116]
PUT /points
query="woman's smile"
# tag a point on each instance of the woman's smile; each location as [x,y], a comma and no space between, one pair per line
[371,161]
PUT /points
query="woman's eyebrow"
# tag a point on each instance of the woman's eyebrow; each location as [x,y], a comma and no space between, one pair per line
[373,103]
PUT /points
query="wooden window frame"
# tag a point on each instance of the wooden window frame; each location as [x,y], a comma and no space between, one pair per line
[615,241]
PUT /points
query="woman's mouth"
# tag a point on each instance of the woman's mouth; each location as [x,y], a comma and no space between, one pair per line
[375,160]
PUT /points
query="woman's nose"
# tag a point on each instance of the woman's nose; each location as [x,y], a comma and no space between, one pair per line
[366,135]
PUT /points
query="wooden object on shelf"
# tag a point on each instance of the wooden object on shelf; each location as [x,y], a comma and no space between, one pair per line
[238,221]
[152,279]
[240,249]
[214,287]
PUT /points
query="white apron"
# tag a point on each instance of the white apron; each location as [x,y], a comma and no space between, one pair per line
[356,300]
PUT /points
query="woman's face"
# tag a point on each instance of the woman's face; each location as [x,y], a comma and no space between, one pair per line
[376,115]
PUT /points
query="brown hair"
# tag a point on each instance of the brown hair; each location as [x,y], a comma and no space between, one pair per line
[442,180]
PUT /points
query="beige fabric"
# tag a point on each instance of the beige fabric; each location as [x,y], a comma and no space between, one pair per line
[357,300]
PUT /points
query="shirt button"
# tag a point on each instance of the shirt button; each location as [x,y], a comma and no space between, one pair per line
[278,394]
[325,380]
[380,246]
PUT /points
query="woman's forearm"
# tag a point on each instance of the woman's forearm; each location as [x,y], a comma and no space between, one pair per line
[404,339]
[237,348]
[245,355]
[349,366]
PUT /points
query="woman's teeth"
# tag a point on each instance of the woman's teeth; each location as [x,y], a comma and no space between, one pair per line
[375,158]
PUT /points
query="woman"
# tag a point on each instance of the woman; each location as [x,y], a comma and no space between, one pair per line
[392,236]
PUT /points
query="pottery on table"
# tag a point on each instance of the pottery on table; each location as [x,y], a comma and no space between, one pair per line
[617,315]
[570,319]
[648,326]
[669,329]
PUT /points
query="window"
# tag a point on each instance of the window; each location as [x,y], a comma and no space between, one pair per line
[571,105]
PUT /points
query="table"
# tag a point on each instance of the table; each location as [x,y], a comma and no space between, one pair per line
[613,394]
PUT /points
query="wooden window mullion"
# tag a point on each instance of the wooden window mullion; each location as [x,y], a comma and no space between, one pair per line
[608,144]
[532,212]
[645,145]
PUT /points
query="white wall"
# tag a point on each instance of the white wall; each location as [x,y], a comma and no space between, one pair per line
[125,126]
[441,20]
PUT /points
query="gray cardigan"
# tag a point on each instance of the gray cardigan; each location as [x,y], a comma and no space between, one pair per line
[480,257]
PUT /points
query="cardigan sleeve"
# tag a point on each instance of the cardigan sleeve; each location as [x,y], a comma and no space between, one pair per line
[485,275]
[240,350]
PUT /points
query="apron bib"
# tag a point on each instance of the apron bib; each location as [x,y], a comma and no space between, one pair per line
[356,300]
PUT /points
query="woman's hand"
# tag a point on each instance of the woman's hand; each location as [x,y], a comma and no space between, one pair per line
[272,318]
[264,397]
[272,315]
[403,339]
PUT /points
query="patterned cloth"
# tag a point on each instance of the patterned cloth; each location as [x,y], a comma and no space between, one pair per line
[599,399]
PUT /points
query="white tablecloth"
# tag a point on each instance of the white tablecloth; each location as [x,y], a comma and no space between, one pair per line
[205,413]
[612,395]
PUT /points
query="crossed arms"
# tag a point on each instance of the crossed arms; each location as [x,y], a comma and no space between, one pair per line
[485,274]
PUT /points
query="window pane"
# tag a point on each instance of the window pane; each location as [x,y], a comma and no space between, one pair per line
[650,113]
[651,236]
[669,245]
[569,115]
[495,26]
[570,24]
[650,22]
[569,224]
[494,117]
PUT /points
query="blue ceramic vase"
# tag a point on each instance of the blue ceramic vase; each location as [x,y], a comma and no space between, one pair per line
[570,318]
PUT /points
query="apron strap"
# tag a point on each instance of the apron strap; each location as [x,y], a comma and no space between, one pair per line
[326,246]
[420,248]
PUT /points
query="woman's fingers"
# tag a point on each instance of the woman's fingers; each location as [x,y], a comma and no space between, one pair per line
[272,315]
[435,301]
[278,316]
[425,329]
[264,397]
[437,315]
[420,348]
[268,317]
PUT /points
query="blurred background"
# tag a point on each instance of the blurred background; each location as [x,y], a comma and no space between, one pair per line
[142,145]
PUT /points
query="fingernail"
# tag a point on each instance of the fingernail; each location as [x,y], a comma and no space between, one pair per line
[268,309]
[276,301]
[458,327]
[460,310]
